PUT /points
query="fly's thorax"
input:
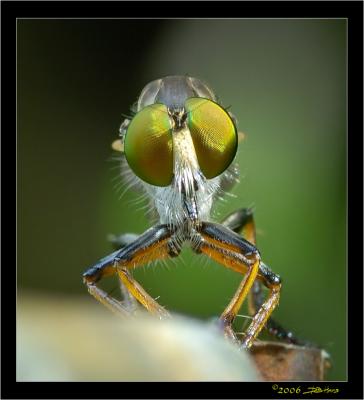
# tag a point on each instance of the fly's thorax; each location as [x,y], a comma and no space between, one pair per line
[170,204]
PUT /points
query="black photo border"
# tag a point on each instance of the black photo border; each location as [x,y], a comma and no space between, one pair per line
[353,11]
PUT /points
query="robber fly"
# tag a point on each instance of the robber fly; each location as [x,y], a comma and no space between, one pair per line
[180,148]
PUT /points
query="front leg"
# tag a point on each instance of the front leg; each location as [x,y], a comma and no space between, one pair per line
[119,241]
[242,222]
[150,246]
[232,251]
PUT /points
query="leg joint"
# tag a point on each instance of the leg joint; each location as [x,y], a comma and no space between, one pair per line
[91,276]
[270,279]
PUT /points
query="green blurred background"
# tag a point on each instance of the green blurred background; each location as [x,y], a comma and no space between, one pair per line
[286,83]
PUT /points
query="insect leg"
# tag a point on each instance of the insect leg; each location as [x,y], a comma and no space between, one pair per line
[119,241]
[100,270]
[273,283]
[231,250]
[242,221]
[151,245]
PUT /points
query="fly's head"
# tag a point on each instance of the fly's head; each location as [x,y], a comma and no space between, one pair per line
[180,143]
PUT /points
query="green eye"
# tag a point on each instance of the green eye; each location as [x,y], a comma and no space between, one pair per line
[148,145]
[214,135]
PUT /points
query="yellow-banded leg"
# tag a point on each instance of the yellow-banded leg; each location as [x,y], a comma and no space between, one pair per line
[242,222]
[150,246]
[232,251]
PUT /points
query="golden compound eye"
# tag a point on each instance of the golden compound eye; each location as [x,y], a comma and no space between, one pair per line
[148,145]
[214,135]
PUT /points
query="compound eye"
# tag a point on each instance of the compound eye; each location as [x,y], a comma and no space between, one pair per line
[214,135]
[148,145]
